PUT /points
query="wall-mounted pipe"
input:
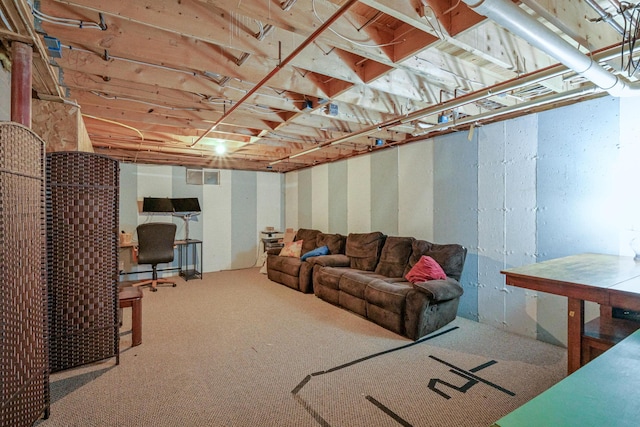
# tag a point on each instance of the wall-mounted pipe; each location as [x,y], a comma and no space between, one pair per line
[508,15]
[605,16]
[529,105]
[21,83]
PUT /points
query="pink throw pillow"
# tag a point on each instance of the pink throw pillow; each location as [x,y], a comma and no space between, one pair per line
[292,249]
[425,269]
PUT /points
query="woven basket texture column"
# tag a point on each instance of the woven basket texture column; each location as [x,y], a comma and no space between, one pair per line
[82,258]
[24,378]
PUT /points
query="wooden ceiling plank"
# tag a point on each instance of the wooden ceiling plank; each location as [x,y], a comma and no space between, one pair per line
[414,41]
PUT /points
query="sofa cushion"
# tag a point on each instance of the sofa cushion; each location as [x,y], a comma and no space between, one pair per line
[389,296]
[328,276]
[363,249]
[292,249]
[385,304]
[394,257]
[308,236]
[354,282]
[322,250]
[450,256]
[425,269]
[335,242]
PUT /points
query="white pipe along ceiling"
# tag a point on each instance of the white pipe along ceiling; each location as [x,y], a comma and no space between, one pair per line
[510,16]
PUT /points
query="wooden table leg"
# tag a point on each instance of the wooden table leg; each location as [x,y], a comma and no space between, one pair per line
[574,335]
[136,322]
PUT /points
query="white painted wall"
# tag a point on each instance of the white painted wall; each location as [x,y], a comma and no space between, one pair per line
[626,205]
[359,195]
[291,200]
[506,222]
[216,217]
[320,200]
[269,190]
[415,195]
[215,224]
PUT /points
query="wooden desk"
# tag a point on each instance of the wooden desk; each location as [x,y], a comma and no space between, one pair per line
[602,393]
[189,259]
[608,280]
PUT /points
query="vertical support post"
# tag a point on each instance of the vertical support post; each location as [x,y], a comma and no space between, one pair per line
[21,71]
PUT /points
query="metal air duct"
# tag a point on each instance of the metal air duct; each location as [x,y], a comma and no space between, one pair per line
[517,21]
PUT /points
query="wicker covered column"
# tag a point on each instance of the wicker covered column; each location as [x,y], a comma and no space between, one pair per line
[24,378]
[82,258]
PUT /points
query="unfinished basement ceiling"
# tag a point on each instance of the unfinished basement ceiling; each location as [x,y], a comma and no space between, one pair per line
[288,85]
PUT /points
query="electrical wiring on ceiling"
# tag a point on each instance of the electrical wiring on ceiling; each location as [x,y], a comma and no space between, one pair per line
[122,98]
[354,42]
[68,22]
[631,17]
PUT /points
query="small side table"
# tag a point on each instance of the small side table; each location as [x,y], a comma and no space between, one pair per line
[132,297]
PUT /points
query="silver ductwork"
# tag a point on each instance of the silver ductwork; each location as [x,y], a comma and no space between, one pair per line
[509,16]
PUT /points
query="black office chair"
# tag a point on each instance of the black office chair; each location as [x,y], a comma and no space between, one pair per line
[155,246]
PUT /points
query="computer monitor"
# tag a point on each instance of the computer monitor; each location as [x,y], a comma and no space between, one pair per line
[186,205]
[157,205]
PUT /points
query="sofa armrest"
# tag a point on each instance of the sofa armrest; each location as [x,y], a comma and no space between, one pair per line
[337,260]
[440,290]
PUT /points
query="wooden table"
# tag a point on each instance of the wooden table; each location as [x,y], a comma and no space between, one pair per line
[609,280]
[602,393]
[132,297]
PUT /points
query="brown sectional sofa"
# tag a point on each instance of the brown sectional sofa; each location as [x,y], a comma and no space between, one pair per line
[369,279]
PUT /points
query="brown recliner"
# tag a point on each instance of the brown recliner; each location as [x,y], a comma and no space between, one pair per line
[295,273]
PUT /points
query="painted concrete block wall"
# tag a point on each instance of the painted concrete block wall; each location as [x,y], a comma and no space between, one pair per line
[626,174]
[270,189]
[384,191]
[305,199]
[455,208]
[233,213]
[415,190]
[359,194]
[291,201]
[337,202]
[577,152]
[319,205]
[520,241]
[244,195]
[506,221]
[128,198]
[217,220]
[180,188]
[5,99]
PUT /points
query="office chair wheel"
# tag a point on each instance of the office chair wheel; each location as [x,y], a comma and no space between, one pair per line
[154,289]
[174,285]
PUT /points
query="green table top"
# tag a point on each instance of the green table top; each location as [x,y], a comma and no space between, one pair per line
[605,392]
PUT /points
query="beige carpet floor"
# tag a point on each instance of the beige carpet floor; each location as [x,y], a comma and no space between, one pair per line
[236,349]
